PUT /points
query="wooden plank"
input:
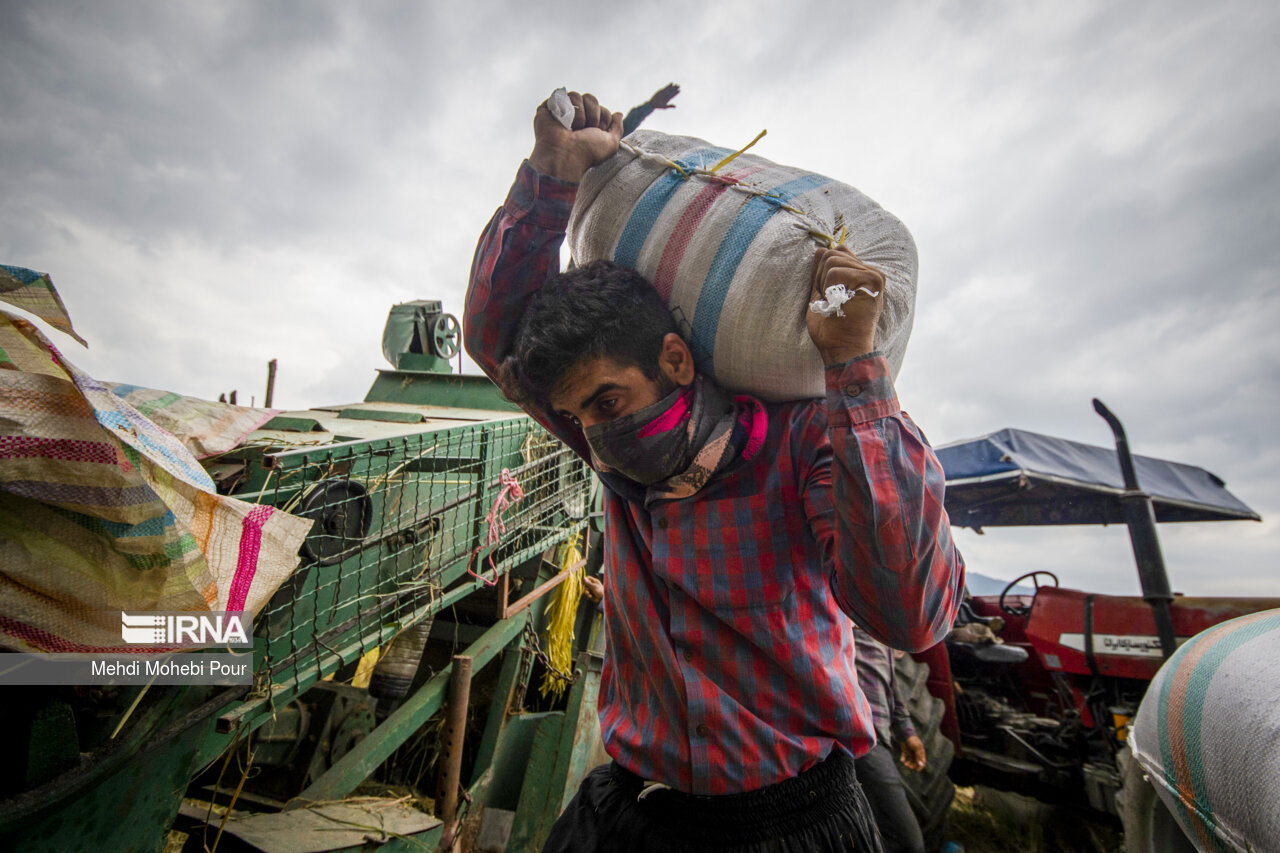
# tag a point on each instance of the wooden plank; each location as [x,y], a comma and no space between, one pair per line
[329,826]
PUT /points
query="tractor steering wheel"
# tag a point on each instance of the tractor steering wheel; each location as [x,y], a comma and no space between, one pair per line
[1021,610]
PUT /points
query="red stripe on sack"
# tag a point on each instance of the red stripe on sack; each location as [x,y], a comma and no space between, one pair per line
[1177,724]
[247,564]
[687,226]
[47,642]
[64,450]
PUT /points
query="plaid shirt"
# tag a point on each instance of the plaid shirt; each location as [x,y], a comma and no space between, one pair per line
[889,714]
[731,654]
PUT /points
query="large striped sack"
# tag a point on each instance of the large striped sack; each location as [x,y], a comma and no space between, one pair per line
[728,241]
[1208,735]
[102,511]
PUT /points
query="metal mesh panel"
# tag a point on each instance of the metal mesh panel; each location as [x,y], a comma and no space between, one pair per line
[398,521]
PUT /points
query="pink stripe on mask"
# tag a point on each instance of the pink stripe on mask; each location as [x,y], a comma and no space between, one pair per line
[756,422]
[672,417]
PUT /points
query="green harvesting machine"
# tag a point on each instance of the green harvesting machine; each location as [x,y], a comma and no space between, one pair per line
[391,703]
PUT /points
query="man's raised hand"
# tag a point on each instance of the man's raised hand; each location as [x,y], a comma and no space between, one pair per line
[567,153]
[661,99]
[837,338]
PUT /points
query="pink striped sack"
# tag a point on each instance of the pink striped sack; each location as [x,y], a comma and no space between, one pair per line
[728,241]
[102,511]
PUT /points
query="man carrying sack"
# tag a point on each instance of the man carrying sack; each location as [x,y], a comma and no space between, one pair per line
[741,536]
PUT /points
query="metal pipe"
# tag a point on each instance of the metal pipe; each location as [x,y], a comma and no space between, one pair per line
[455,730]
[1140,517]
[560,577]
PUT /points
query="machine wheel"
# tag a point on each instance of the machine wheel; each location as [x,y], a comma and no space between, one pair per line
[342,513]
[1149,827]
[929,791]
[444,336]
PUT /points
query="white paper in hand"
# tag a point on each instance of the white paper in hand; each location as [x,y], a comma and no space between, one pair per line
[837,295]
[561,107]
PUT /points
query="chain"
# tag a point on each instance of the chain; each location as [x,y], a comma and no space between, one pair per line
[525,670]
[531,636]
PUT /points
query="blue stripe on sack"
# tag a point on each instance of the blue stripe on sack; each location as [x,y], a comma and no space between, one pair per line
[715,287]
[1193,716]
[113,420]
[654,201]
[22,274]
[1171,668]
[144,529]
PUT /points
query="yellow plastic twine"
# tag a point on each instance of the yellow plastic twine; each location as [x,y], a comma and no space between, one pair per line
[829,240]
[687,173]
[734,156]
[561,613]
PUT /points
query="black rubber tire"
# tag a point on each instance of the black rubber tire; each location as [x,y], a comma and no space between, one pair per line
[1149,827]
[929,791]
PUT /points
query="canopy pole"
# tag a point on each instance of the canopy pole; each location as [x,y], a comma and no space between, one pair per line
[1140,517]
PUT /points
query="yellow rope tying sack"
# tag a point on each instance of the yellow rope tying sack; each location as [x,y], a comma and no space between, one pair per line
[726,161]
[561,613]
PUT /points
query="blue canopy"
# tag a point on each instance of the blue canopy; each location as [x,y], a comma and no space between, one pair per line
[1014,477]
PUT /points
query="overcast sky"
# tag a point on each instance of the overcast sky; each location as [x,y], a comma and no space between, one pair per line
[1092,188]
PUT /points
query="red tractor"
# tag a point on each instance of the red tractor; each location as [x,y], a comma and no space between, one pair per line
[1045,712]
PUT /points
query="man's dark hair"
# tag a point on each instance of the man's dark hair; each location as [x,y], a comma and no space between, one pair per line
[600,309]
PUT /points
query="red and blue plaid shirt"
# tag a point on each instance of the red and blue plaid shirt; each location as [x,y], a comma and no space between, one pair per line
[731,654]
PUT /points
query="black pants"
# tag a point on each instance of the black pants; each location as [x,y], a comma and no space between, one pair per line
[821,810]
[898,826]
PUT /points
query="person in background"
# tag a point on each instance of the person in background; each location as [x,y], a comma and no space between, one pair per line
[899,829]
[593,589]
[661,100]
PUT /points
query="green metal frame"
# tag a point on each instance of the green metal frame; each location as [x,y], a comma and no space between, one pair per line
[356,765]
[429,492]
[438,389]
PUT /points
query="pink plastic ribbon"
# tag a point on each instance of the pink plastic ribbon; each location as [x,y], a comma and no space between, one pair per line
[510,493]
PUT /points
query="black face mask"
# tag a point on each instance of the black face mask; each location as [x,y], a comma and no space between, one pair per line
[650,444]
